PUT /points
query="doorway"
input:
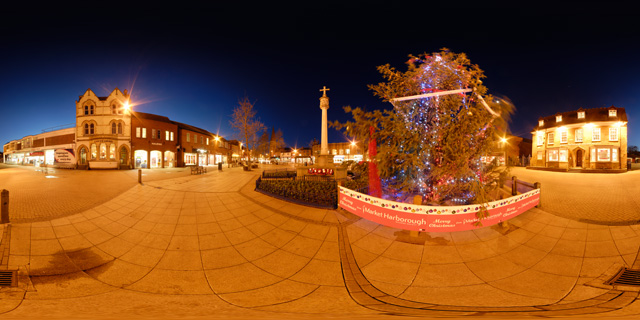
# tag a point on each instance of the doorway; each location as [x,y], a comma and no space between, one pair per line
[579,158]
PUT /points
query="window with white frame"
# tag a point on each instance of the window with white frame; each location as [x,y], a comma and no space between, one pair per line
[578,135]
[604,154]
[541,123]
[207,141]
[553,155]
[540,155]
[580,114]
[613,112]
[614,154]
[563,155]
[144,132]
[166,135]
[559,118]
[540,138]
[188,137]
[563,136]
[593,154]
[138,132]
[596,134]
[613,134]
[171,135]
[550,138]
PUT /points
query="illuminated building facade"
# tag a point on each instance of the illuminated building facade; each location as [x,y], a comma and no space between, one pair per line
[108,135]
[582,139]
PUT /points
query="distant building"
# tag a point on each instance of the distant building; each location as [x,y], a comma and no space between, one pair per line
[342,151]
[585,138]
[107,135]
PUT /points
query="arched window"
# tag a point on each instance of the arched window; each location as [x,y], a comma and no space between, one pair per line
[91,109]
[113,109]
[112,152]
[86,110]
[119,128]
[123,155]
[83,155]
[91,128]
[86,128]
[94,151]
[113,128]
[103,151]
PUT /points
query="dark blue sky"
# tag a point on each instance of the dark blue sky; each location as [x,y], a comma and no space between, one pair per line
[193,63]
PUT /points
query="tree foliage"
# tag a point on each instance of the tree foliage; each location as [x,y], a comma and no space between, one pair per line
[247,126]
[433,146]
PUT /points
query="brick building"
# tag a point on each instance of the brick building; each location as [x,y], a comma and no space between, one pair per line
[585,138]
[108,135]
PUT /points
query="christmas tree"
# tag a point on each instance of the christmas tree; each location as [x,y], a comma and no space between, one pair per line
[441,126]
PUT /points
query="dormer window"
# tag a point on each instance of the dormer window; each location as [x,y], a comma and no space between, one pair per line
[580,114]
[540,123]
[613,112]
[559,118]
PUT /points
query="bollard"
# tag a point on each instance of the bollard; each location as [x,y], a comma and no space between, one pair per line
[140,176]
[538,185]
[4,206]
[514,185]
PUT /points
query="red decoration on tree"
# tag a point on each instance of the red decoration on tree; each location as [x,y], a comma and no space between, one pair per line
[375,186]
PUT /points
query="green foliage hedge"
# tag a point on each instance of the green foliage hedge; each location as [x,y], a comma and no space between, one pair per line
[279,174]
[314,192]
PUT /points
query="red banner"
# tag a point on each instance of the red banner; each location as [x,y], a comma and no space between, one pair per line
[434,218]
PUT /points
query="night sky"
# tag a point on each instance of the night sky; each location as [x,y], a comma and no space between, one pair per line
[192,63]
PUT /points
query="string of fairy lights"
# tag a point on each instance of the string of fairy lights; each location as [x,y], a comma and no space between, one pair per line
[443,90]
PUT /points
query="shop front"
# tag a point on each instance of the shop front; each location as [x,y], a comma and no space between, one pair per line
[140,159]
[169,159]
[155,159]
[190,159]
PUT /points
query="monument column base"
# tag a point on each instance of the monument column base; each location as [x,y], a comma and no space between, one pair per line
[324,160]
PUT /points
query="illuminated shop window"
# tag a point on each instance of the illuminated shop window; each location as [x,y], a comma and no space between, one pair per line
[112,152]
[604,154]
[614,154]
[94,151]
[103,151]
[563,155]
[553,155]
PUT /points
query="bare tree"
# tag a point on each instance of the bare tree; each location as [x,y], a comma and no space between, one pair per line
[247,126]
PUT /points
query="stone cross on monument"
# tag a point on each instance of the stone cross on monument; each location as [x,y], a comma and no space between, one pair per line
[324,105]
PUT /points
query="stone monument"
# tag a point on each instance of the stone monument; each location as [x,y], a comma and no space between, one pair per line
[325,158]
[324,162]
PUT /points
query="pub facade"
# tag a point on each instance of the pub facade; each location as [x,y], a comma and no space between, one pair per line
[594,138]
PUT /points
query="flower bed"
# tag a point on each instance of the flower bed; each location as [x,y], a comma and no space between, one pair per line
[313,193]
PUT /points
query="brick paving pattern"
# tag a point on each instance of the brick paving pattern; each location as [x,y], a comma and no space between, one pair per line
[208,246]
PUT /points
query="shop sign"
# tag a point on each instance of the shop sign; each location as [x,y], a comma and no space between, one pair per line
[36,154]
[64,156]
[434,218]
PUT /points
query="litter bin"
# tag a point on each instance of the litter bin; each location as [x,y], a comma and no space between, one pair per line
[220,166]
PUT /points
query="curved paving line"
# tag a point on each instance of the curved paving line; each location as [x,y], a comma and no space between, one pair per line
[365,294]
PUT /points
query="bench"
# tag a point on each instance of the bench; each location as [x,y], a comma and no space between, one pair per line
[198,169]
